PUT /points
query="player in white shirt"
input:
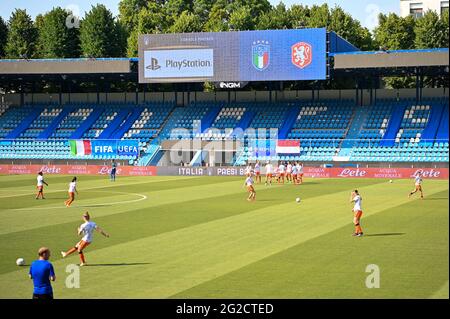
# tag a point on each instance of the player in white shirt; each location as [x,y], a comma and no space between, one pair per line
[248,169]
[300,172]
[356,199]
[417,185]
[72,191]
[281,172]
[86,230]
[40,185]
[257,170]
[289,172]
[269,173]
[250,189]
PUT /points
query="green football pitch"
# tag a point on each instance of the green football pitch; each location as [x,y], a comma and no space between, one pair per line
[198,237]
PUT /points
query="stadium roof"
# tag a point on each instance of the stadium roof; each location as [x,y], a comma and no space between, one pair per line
[355,63]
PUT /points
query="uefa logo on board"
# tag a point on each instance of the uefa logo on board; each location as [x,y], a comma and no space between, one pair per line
[260,55]
[301,54]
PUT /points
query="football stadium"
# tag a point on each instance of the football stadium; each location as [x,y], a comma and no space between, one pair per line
[224,149]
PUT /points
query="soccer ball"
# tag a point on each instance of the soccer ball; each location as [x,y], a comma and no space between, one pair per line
[20,262]
[297,199]
[390,181]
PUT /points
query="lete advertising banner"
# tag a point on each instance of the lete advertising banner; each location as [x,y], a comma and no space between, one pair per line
[78,170]
[312,172]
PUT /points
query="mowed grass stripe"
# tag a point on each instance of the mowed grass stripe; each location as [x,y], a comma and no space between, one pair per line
[145,221]
[20,220]
[146,183]
[409,243]
[442,293]
[165,264]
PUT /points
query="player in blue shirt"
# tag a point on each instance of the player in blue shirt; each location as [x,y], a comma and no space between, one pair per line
[113,171]
[41,271]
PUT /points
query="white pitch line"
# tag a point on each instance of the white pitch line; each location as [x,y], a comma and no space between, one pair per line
[96,187]
[142,197]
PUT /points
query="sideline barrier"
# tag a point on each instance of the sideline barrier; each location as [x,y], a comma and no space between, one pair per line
[310,172]
[78,170]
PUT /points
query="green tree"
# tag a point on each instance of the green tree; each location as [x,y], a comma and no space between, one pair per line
[3,36]
[241,19]
[257,7]
[56,40]
[129,12]
[150,20]
[175,7]
[319,16]
[186,22]
[202,8]
[394,32]
[277,18]
[98,34]
[350,29]
[299,16]
[218,17]
[431,31]
[22,35]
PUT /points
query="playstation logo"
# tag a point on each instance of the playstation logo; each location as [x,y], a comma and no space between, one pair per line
[153,65]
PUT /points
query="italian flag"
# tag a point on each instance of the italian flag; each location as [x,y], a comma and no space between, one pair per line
[80,147]
[260,61]
[288,147]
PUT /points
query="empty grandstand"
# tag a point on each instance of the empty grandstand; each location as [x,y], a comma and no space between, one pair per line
[367,125]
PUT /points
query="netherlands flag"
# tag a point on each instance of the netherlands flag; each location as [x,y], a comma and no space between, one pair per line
[80,147]
[288,147]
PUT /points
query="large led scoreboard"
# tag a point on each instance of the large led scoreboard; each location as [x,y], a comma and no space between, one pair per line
[238,56]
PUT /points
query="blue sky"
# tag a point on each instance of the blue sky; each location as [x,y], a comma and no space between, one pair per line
[363,10]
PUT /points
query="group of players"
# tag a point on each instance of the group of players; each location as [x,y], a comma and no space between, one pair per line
[293,173]
[87,228]
[284,172]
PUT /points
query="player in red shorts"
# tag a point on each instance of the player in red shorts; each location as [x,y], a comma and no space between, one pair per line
[250,188]
[357,212]
[40,185]
[86,229]
[269,173]
[281,172]
[300,173]
[257,170]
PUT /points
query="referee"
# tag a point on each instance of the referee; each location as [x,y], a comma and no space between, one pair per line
[113,171]
[41,271]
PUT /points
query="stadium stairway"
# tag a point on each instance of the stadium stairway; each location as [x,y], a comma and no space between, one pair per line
[45,134]
[442,133]
[430,131]
[289,119]
[34,113]
[197,158]
[126,125]
[209,118]
[152,150]
[393,125]
[86,125]
[108,132]
[246,120]
[355,127]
